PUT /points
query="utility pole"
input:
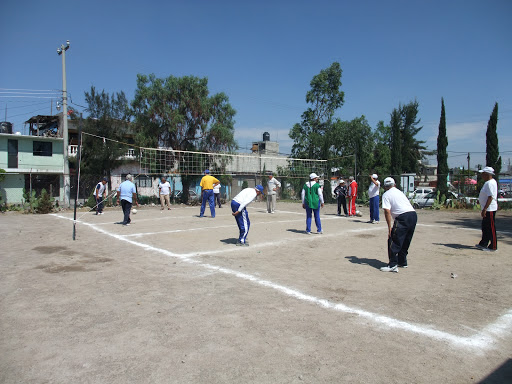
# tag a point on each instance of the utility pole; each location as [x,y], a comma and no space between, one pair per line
[469,157]
[67,190]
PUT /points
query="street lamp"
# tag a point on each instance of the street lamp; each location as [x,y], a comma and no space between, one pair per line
[62,52]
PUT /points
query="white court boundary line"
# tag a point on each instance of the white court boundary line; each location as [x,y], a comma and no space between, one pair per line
[480,341]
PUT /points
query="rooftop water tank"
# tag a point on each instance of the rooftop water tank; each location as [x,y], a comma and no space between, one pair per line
[266,136]
[5,127]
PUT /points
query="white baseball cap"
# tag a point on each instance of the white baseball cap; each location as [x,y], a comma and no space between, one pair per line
[313,176]
[375,176]
[389,181]
[489,170]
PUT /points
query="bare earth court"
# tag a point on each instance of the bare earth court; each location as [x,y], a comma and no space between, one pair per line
[171,299]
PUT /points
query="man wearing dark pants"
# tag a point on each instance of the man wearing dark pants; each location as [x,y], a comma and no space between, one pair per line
[488,199]
[128,195]
[341,194]
[397,207]
[100,194]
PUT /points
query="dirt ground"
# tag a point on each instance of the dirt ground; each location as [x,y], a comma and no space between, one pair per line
[171,299]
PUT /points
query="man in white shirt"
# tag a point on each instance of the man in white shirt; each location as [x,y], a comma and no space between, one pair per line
[397,207]
[216,194]
[488,199]
[238,206]
[164,191]
[272,186]
[373,194]
[100,194]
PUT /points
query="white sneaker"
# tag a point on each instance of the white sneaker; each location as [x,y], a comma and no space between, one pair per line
[390,269]
[375,222]
[272,212]
[308,233]
[319,232]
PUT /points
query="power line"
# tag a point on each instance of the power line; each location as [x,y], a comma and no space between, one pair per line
[34,97]
[28,113]
[30,90]
[28,105]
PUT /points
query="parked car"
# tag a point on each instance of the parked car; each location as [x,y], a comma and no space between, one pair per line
[428,199]
[420,192]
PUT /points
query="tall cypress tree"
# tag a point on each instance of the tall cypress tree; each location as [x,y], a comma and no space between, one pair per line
[492,157]
[396,145]
[442,155]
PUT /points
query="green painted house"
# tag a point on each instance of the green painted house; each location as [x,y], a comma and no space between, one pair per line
[33,163]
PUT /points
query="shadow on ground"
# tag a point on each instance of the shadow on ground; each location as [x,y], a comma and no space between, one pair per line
[296,231]
[365,261]
[229,241]
[457,246]
[475,222]
[503,374]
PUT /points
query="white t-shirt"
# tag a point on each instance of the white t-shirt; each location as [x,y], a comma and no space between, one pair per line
[100,187]
[374,190]
[397,203]
[165,188]
[490,188]
[216,188]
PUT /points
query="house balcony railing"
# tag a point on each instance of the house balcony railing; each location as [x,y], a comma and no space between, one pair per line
[129,155]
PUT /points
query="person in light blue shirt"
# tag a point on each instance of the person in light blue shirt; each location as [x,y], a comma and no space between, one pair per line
[127,194]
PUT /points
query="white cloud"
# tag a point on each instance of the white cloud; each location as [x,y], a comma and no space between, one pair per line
[466,131]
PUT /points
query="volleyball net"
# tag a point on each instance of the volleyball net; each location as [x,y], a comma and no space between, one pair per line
[148,165]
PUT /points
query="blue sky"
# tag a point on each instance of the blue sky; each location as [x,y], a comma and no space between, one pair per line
[264,54]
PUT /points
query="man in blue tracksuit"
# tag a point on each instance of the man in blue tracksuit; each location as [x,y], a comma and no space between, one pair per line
[238,206]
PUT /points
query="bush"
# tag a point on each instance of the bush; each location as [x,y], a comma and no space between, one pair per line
[363,199]
[439,201]
[91,201]
[31,202]
[44,203]
[505,205]
[146,200]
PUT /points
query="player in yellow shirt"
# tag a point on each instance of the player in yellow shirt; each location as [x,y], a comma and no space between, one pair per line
[207,184]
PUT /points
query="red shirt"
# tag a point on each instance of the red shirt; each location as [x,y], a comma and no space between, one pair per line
[353,189]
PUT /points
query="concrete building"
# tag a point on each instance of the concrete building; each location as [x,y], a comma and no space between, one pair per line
[33,163]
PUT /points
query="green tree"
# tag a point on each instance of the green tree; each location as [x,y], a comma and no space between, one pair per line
[396,145]
[353,137]
[442,155]
[406,149]
[179,113]
[382,149]
[310,137]
[492,157]
[411,147]
[109,118]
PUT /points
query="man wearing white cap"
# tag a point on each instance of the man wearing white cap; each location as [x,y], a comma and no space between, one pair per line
[341,193]
[488,199]
[397,207]
[312,200]
[373,194]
